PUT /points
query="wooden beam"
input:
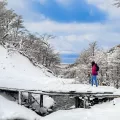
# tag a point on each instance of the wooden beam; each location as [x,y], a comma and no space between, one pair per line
[20,97]
[41,100]
[76,102]
[29,99]
[86,101]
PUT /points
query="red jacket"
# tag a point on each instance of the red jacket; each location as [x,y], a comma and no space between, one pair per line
[94,70]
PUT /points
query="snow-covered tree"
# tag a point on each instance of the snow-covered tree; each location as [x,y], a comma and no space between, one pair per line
[114,65]
[117,3]
[15,37]
[82,68]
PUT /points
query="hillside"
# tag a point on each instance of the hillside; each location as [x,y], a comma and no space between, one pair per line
[18,64]
[114,54]
[108,61]
[18,72]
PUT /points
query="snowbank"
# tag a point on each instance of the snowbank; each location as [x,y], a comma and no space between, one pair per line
[106,111]
[11,110]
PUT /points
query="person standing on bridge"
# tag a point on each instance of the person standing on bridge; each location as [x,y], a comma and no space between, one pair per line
[95,70]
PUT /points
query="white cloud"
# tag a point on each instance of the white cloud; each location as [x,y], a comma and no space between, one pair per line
[17,5]
[68,52]
[24,8]
[42,26]
[21,7]
[108,6]
[73,37]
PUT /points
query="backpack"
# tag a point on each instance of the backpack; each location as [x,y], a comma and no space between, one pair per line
[97,67]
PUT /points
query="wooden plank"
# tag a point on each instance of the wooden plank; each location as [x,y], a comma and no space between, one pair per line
[73,93]
[12,89]
[70,93]
[76,93]
[107,96]
[35,100]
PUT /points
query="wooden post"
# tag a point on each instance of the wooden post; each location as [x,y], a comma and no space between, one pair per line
[29,99]
[76,102]
[84,103]
[86,100]
[20,97]
[41,100]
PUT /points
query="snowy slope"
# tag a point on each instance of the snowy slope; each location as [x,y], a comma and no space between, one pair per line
[17,64]
[10,110]
[106,111]
[16,71]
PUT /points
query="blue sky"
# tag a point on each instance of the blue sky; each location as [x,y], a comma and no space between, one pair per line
[79,11]
[76,23]
[69,58]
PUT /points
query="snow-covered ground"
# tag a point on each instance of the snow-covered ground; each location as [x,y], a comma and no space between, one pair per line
[16,71]
[106,111]
[10,110]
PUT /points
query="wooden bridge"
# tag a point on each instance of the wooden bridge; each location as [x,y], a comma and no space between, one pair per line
[78,96]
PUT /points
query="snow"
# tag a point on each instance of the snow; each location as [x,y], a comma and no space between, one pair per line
[11,110]
[106,111]
[48,102]
[20,65]
[17,72]
[82,88]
